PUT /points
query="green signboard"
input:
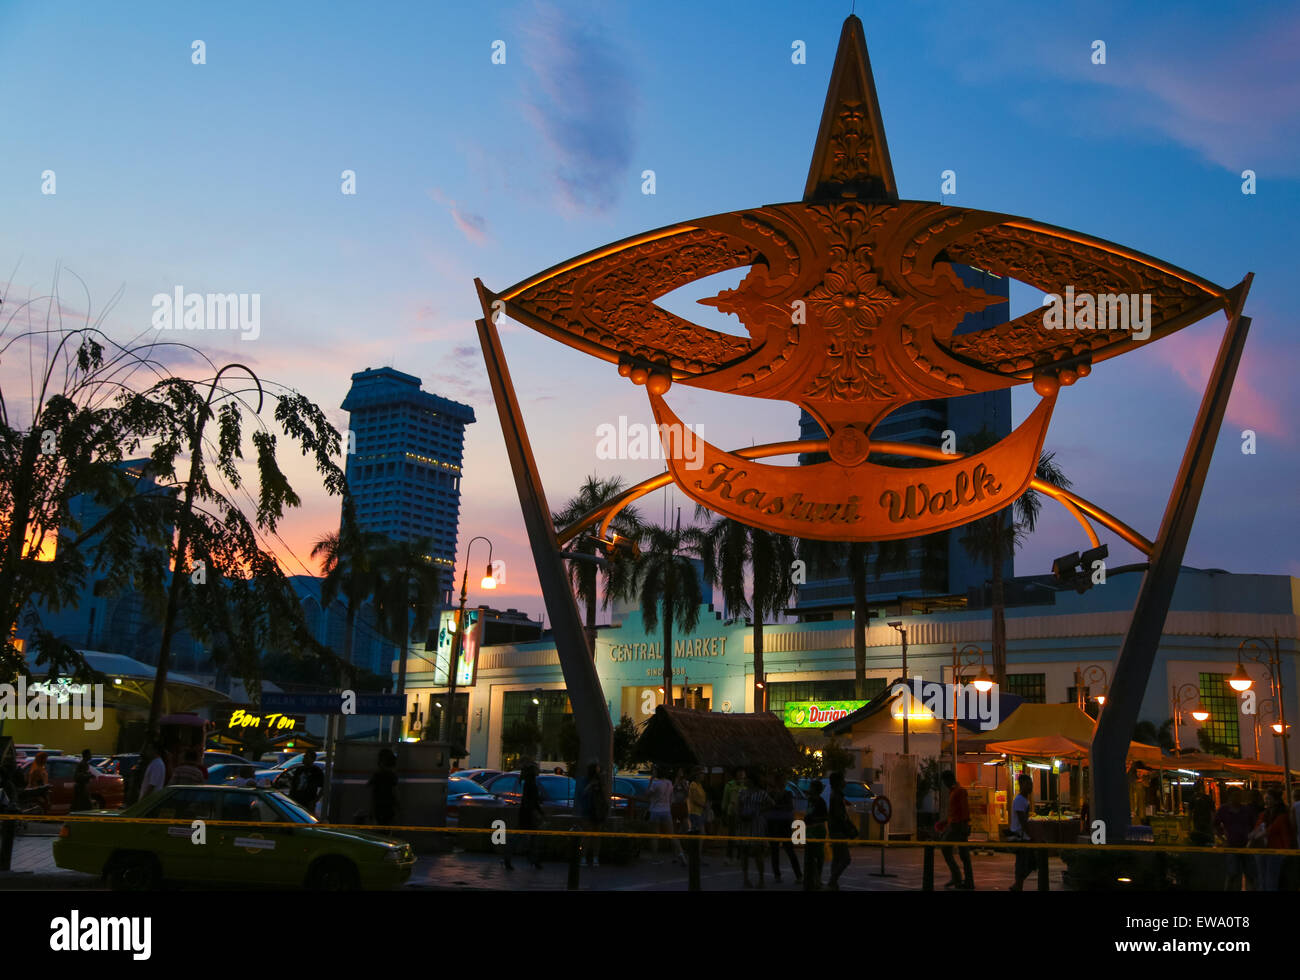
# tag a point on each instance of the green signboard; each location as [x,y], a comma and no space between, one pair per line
[815,714]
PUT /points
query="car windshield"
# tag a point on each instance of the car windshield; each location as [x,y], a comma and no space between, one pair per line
[555,787]
[291,809]
[858,790]
[458,786]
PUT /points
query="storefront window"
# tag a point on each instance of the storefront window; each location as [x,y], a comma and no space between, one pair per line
[1029,687]
[779,692]
[1221,702]
[550,715]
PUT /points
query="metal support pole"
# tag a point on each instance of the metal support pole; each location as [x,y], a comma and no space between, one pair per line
[1137,656]
[1281,717]
[590,711]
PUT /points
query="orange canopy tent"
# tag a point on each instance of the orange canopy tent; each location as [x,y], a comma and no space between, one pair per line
[1059,731]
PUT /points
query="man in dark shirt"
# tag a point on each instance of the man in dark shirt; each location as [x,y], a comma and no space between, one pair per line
[957,828]
[383,789]
[1233,822]
[815,846]
[306,783]
[841,829]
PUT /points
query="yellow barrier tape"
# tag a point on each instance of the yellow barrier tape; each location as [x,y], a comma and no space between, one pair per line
[1010,846]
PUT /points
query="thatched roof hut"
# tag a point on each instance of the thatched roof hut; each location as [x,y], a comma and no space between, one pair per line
[682,737]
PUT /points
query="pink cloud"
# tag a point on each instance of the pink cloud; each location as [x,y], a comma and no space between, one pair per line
[472,226]
[1262,381]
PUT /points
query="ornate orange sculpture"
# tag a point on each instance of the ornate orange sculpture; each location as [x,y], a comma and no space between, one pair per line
[849,310]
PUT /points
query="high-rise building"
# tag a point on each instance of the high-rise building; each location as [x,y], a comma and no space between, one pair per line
[937,565]
[405,467]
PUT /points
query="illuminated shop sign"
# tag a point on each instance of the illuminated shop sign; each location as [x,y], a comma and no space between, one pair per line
[815,714]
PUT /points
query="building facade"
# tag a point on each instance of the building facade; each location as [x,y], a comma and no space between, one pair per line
[406,451]
[1213,612]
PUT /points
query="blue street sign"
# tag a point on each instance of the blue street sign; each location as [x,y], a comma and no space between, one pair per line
[332,704]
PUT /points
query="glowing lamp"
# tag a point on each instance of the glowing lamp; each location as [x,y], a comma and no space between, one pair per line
[983,683]
[1240,681]
[1199,713]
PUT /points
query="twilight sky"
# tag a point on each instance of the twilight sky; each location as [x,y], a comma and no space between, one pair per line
[225,177]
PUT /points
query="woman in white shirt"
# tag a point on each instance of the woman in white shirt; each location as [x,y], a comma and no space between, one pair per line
[661,813]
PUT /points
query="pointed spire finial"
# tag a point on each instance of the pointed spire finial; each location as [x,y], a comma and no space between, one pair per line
[851,157]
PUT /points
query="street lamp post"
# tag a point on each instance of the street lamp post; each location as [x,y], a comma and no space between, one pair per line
[1085,677]
[1180,696]
[1241,682]
[967,656]
[489,582]
[898,625]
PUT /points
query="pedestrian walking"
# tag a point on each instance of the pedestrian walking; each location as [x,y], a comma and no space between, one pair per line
[383,790]
[307,782]
[661,814]
[1233,822]
[780,821]
[730,797]
[841,830]
[188,772]
[956,828]
[681,789]
[814,849]
[155,770]
[697,802]
[531,815]
[37,774]
[1020,831]
[595,812]
[81,780]
[752,808]
[1277,834]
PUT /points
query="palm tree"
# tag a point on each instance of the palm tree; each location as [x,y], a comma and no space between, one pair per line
[996,538]
[348,559]
[731,550]
[663,577]
[408,593]
[867,562]
[585,575]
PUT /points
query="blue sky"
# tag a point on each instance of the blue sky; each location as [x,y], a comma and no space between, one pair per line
[225,177]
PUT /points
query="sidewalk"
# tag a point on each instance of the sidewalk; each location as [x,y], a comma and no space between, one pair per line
[34,868]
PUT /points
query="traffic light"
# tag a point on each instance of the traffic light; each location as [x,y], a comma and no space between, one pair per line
[1075,569]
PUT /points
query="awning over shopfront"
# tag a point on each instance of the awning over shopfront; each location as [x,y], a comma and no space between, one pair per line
[682,737]
[1204,764]
[1007,704]
[1059,731]
[129,683]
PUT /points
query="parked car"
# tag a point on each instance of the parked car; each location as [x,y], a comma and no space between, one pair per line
[106,791]
[465,792]
[227,774]
[556,792]
[857,794]
[272,776]
[630,796]
[295,851]
[283,776]
[212,758]
[479,776]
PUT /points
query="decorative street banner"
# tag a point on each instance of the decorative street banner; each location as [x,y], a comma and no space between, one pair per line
[332,704]
[815,714]
[859,502]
